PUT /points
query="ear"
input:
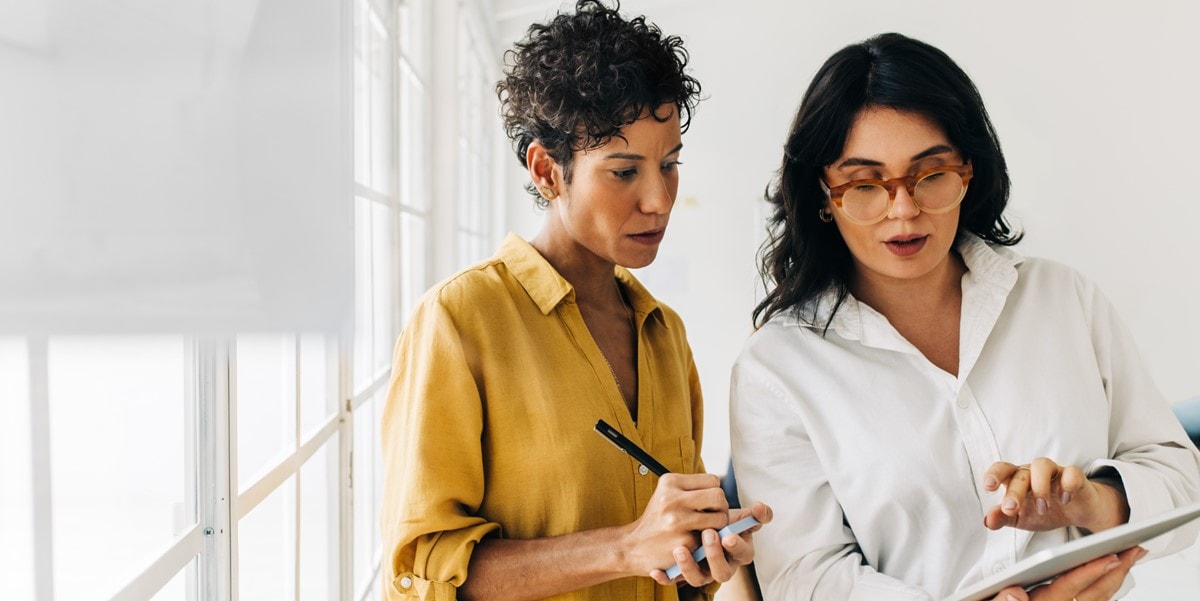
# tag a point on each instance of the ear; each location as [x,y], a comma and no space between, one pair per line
[543,170]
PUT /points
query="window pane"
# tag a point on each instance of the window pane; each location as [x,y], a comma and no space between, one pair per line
[119,491]
[380,74]
[266,404]
[412,262]
[362,294]
[267,545]
[362,128]
[16,471]
[319,525]
[183,587]
[414,138]
[382,279]
[366,526]
[318,381]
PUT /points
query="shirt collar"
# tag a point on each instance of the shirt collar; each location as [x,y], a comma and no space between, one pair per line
[989,268]
[548,288]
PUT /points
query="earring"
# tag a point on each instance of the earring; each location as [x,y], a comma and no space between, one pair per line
[825,215]
[549,193]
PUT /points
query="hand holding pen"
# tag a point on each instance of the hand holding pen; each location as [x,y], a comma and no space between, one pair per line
[684,505]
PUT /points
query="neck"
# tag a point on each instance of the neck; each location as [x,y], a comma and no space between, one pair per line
[591,277]
[933,292]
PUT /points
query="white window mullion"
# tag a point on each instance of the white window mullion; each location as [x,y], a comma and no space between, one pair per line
[297,534]
[233,502]
[39,421]
[213,390]
[345,481]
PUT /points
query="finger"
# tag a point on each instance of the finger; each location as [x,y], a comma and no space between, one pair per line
[1070,483]
[661,577]
[719,566]
[1071,583]
[738,548]
[763,513]
[996,474]
[995,519]
[1015,491]
[689,569]
[690,481]
[1042,474]
[1012,593]
[1107,585]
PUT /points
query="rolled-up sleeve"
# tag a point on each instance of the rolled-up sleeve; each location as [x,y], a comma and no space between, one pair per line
[1158,466]
[433,461]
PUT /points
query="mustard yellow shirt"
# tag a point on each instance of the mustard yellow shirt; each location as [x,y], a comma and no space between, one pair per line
[488,427]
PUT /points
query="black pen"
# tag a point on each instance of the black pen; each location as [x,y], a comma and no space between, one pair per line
[627,446]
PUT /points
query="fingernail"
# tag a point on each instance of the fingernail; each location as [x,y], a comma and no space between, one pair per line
[709,537]
[1142,553]
[1110,566]
[991,482]
[1065,498]
[1041,506]
[1011,598]
[1009,504]
[680,554]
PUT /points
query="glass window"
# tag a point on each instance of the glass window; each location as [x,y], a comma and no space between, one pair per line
[266,404]
[266,540]
[16,473]
[319,525]
[382,274]
[318,382]
[120,470]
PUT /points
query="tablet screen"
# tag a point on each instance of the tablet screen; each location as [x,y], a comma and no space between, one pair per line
[1048,563]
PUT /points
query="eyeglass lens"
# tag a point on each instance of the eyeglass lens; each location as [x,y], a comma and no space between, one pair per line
[936,191]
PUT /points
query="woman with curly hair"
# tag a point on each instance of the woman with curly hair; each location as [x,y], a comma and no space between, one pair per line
[497,487]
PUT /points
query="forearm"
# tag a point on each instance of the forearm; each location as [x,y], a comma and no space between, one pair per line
[535,569]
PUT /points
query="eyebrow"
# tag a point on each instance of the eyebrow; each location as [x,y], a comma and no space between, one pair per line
[928,152]
[637,157]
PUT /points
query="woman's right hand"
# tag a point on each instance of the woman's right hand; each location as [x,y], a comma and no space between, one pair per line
[1097,580]
[683,505]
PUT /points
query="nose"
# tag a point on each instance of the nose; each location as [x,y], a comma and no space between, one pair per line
[903,205]
[658,196]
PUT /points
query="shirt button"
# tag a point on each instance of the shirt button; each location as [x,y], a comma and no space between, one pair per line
[405,582]
[963,402]
[999,567]
[643,470]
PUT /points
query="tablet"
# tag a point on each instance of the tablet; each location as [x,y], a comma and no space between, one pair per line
[737,527]
[1048,563]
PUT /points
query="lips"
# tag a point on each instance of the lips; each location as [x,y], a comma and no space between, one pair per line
[649,237]
[906,245]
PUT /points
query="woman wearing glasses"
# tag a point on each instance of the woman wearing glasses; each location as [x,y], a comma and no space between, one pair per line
[923,406]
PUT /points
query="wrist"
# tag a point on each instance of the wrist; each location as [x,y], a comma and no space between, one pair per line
[1114,505]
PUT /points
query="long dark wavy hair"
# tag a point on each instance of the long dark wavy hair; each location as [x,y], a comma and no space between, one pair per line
[803,257]
[574,82]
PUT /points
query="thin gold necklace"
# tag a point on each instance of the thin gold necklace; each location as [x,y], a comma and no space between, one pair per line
[633,327]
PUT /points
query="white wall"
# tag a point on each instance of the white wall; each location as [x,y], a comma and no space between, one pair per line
[1094,104]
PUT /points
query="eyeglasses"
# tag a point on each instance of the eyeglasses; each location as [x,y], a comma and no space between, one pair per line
[868,201]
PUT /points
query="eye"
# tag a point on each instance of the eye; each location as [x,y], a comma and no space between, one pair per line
[625,173]
[671,165]
[934,176]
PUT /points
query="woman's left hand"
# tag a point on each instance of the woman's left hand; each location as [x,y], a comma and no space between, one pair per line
[723,556]
[1044,495]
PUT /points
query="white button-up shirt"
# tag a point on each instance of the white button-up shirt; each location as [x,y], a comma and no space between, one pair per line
[873,458]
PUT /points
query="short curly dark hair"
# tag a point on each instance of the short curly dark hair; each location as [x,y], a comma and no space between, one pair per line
[574,82]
